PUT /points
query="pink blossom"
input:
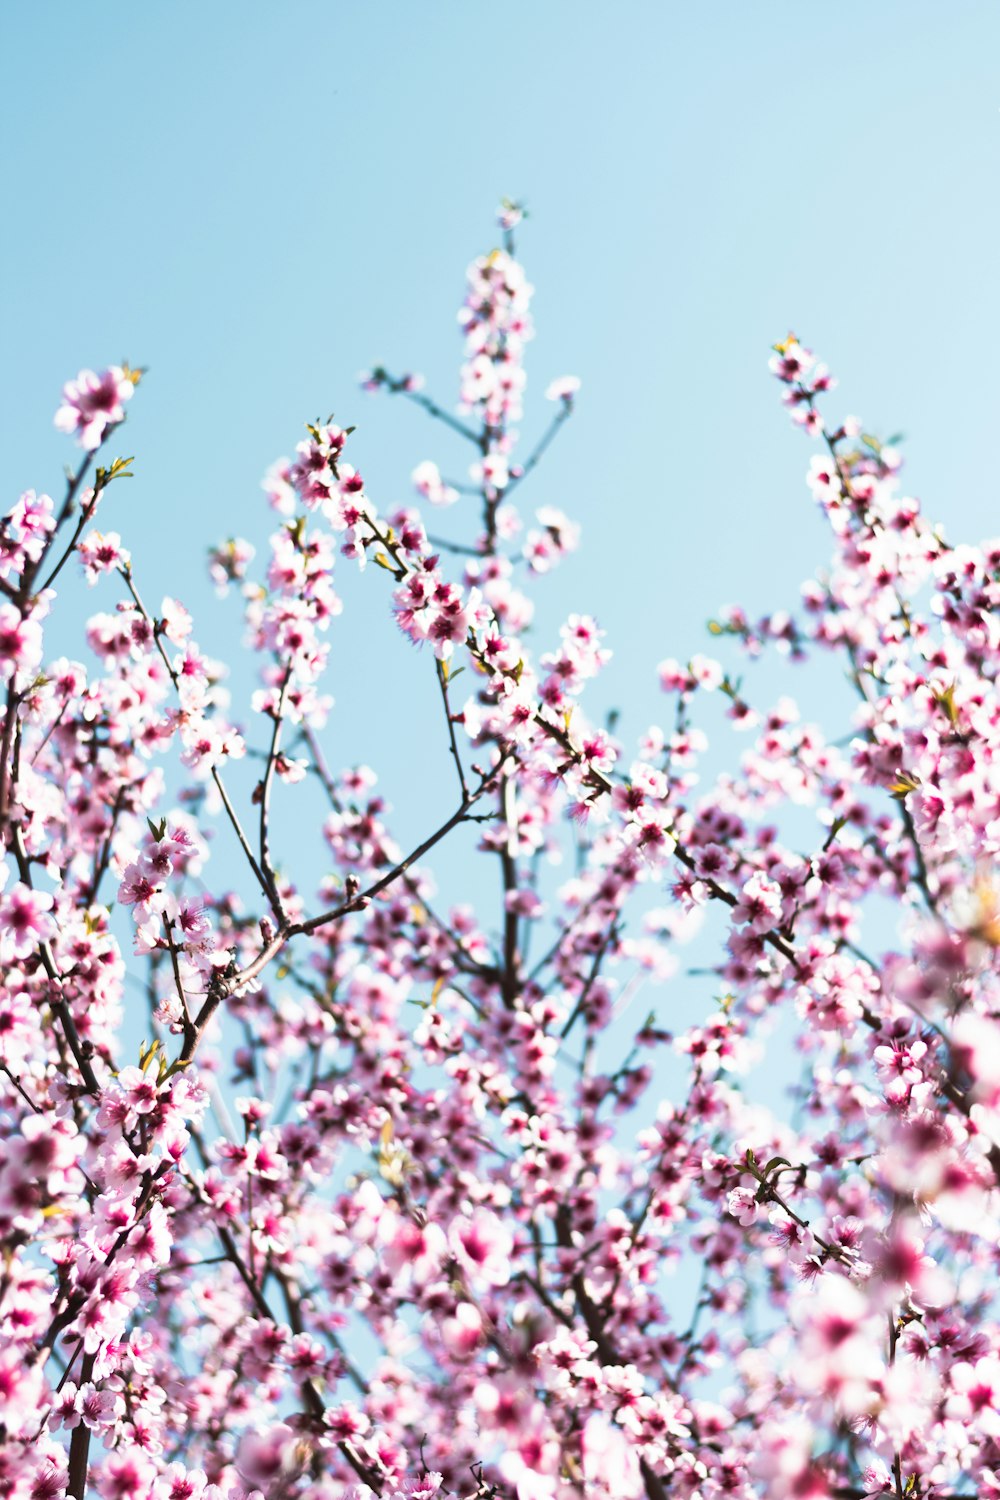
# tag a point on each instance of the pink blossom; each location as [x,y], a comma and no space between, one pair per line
[93,403]
[462,1333]
[743,1206]
[759,905]
[975,1395]
[20,643]
[427,480]
[101,553]
[482,1246]
[264,1458]
[563,389]
[24,920]
[609,1461]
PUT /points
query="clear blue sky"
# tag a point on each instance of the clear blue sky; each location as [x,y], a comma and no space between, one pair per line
[259,200]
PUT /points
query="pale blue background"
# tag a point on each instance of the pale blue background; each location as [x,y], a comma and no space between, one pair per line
[259,200]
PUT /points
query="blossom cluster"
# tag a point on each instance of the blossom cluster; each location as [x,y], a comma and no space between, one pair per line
[405,1196]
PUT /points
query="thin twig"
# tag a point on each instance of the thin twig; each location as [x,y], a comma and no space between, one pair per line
[265,800]
[442,677]
[562,415]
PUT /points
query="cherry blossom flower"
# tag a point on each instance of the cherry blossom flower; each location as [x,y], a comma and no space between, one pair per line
[482,1245]
[24,920]
[93,403]
[563,389]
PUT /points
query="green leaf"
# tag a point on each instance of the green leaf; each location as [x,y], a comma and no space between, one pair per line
[946,702]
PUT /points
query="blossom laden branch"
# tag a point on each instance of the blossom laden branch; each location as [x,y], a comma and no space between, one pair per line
[470,1173]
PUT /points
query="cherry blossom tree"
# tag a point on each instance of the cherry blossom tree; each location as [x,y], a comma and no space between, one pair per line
[393,1199]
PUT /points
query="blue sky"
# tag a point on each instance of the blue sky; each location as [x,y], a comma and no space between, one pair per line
[259,200]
